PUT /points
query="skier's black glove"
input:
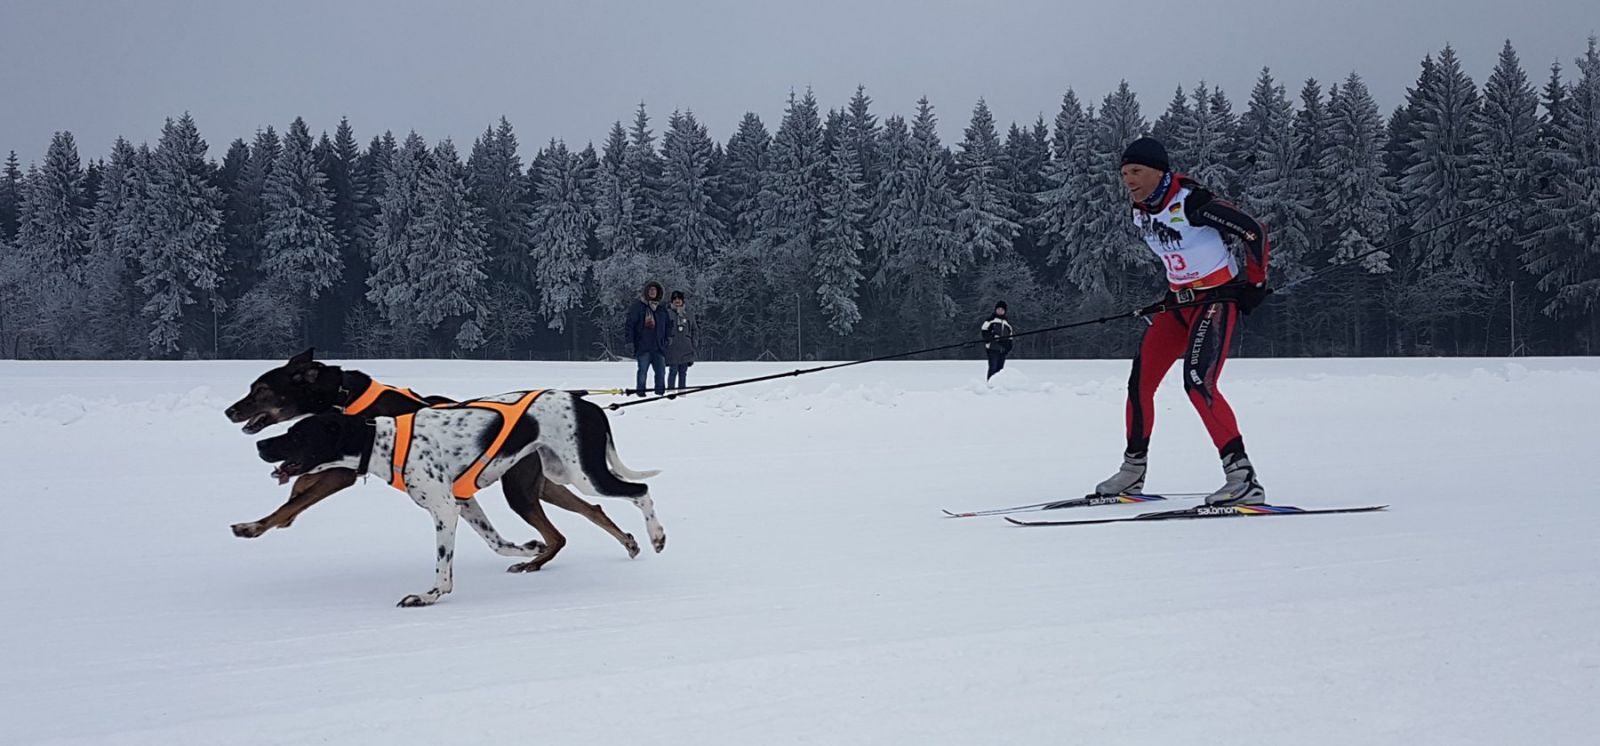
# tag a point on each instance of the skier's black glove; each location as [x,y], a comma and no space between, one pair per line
[1247,297]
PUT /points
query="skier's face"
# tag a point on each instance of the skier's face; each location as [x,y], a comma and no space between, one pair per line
[677,303]
[1141,181]
[652,294]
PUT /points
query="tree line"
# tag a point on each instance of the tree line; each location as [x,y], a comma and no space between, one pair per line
[837,235]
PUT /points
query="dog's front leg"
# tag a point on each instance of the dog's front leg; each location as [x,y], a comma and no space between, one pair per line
[441,504]
[308,490]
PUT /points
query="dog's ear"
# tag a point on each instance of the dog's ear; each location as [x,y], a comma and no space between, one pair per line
[302,358]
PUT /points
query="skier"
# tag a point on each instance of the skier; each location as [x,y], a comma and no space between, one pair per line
[1185,225]
[997,338]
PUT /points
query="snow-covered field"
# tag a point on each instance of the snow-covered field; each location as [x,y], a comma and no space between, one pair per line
[810,591]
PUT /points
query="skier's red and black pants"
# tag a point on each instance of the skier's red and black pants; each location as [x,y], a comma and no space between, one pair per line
[1200,335]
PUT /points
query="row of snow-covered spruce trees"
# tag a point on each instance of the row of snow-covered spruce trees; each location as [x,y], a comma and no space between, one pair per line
[839,235]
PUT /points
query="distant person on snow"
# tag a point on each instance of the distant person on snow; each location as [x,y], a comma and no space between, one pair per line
[680,349]
[997,338]
[1185,225]
[649,328]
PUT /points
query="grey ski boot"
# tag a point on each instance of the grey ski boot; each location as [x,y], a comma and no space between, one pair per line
[1241,487]
[1128,480]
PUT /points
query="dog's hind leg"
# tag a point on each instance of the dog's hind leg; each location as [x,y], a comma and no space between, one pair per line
[610,486]
[586,459]
[308,490]
[564,498]
[658,535]
[438,501]
[521,484]
[473,513]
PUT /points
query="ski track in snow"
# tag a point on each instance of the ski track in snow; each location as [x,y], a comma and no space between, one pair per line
[811,591]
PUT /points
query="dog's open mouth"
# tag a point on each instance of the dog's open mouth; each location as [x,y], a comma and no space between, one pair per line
[286,471]
[257,423]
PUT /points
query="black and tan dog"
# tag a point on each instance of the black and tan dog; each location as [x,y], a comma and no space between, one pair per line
[304,386]
[442,455]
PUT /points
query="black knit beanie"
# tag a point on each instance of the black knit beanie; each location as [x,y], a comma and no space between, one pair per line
[1147,151]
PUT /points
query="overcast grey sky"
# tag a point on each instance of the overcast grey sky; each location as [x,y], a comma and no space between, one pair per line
[567,68]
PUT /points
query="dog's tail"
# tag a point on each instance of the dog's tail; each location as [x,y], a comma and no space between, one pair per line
[596,454]
[622,469]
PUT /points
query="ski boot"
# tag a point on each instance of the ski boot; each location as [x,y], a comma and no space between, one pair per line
[1128,480]
[1241,487]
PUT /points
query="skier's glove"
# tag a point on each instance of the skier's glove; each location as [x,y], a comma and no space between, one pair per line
[1247,297]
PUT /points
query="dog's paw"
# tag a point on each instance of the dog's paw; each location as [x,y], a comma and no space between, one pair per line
[248,530]
[631,545]
[425,599]
[532,565]
[659,542]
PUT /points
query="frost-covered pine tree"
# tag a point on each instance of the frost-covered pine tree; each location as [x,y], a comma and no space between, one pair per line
[1310,129]
[245,212]
[931,250]
[692,226]
[10,196]
[791,190]
[1206,135]
[113,196]
[391,286]
[1563,250]
[300,254]
[344,190]
[1437,182]
[1275,189]
[54,227]
[617,221]
[497,187]
[1027,157]
[561,228]
[837,261]
[1169,127]
[371,175]
[790,210]
[986,220]
[1103,260]
[643,168]
[1505,155]
[744,170]
[446,266]
[1358,202]
[135,223]
[863,133]
[1253,123]
[891,216]
[180,264]
[113,297]
[1065,206]
[43,280]
[935,199]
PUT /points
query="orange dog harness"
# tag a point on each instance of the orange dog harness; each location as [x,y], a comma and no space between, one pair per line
[375,390]
[465,485]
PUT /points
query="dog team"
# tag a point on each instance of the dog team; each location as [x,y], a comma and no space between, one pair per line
[441,452]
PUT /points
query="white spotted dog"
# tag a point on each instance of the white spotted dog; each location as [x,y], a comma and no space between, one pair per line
[442,455]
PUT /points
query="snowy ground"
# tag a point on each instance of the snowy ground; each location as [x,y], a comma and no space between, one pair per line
[810,591]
